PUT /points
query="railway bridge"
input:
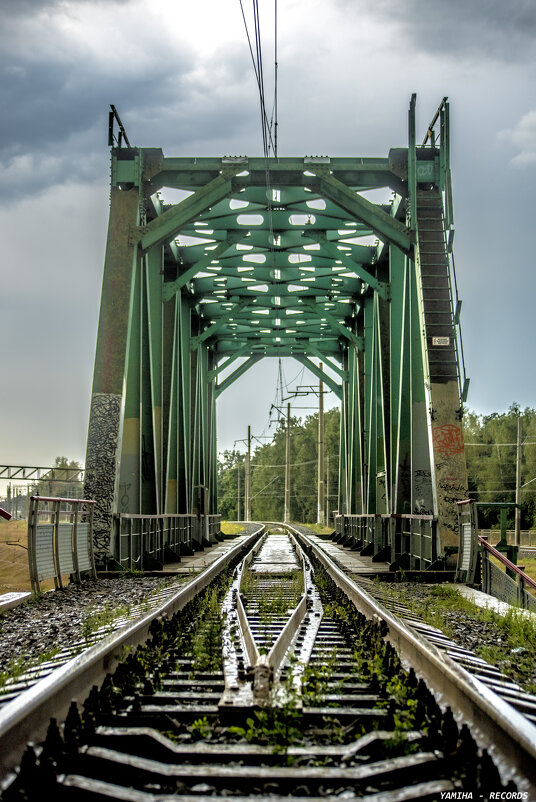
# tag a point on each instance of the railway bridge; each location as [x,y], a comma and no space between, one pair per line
[287,257]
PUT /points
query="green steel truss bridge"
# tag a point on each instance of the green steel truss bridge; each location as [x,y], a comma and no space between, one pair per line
[283,257]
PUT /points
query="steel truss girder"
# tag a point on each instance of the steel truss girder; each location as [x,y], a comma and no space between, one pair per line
[240,270]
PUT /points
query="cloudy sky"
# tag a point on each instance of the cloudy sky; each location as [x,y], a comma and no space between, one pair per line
[180,75]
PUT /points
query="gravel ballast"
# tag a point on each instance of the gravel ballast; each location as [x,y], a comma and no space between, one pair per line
[56,619]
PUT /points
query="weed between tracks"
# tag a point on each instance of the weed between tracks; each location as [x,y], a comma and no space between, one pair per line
[272,595]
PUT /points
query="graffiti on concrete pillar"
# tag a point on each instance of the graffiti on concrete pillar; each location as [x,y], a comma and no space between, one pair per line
[448,439]
[101,460]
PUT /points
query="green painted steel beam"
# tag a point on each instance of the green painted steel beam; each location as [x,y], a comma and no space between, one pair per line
[214,327]
[383,225]
[320,374]
[170,288]
[344,330]
[381,288]
[228,361]
[343,374]
[241,369]
[164,228]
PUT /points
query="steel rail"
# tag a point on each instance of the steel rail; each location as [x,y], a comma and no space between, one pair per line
[27,717]
[497,726]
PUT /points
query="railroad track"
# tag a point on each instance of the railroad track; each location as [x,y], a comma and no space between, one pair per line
[305,686]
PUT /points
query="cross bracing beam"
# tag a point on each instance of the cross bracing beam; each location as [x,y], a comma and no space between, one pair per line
[212,328]
[303,265]
[383,225]
[359,173]
[336,324]
[240,370]
[225,364]
[164,228]
[170,288]
[320,374]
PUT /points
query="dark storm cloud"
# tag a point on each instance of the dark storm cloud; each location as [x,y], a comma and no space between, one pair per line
[19,8]
[56,89]
[502,30]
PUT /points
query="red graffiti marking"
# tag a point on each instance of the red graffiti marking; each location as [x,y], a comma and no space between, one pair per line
[448,439]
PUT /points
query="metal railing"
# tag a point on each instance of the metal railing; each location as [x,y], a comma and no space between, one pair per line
[468,552]
[60,539]
[146,542]
[404,541]
[527,536]
[213,528]
[508,585]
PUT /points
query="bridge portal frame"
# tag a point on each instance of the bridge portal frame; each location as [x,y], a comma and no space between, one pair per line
[181,302]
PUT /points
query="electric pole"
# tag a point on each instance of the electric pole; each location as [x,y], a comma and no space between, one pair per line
[517,514]
[321,512]
[327,491]
[238,492]
[287,468]
[248,477]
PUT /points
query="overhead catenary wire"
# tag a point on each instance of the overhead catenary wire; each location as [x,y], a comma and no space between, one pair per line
[256,59]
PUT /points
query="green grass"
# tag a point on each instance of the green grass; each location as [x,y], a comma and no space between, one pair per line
[284,595]
[513,650]
[229,528]
[105,617]
[19,666]
[318,528]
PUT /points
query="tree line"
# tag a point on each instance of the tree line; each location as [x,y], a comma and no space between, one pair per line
[268,472]
[491,448]
[491,468]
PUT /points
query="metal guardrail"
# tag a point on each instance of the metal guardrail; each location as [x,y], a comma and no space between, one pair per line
[213,528]
[509,585]
[404,541]
[147,542]
[527,536]
[64,543]
[468,552]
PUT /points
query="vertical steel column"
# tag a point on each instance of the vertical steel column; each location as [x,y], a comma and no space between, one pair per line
[400,398]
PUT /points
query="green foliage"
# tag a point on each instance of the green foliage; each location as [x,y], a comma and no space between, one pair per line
[514,651]
[20,666]
[491,463]
[206,646]
[284,594]
[202,728]
[229,465]
[231,529]
[65,480]
[268,472]
[93,621]
[279,727]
